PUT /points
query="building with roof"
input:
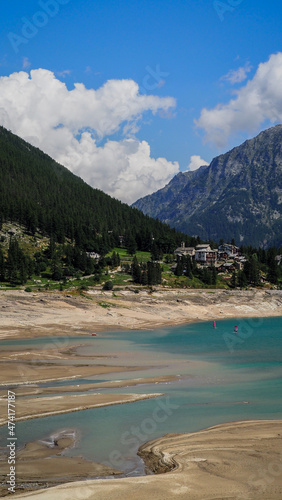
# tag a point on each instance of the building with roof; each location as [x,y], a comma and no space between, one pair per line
[182,251]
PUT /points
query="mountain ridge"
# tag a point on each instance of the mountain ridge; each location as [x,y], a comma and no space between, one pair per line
[238,195]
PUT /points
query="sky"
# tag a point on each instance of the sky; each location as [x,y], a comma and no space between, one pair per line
[127,94]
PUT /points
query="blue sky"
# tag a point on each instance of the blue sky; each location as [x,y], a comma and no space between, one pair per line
[185,56]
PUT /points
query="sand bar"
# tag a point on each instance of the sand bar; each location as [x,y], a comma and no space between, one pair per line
[234,461]
[28,408]
[24,373]
[36,391]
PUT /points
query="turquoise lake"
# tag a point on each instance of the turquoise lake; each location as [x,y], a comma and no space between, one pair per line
[223,377]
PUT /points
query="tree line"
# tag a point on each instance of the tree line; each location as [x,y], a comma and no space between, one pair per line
[148,273]
[56,262]
[63,261]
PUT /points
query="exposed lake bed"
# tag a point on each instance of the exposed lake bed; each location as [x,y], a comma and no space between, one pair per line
[194,376]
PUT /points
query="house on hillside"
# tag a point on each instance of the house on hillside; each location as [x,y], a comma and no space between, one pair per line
[205,255]
[93,255]
[182,251]
[239,261]
[229,250]
[278,259]
[226,267]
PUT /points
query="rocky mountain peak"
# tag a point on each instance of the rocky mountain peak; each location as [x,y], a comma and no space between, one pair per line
[238,195]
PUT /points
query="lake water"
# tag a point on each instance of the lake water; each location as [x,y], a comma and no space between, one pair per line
[223,377]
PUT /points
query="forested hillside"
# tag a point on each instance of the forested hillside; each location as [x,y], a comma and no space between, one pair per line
[40,194]
[51,219]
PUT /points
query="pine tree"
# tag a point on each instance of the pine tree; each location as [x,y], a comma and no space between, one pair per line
[144,275]
[23,272]
[135,270]
[17,264]
[251,270]
[179,267]
[242,279]
[233,281]
[154,273]
[188,267]
[214,275]
[156,252]
[207,276]
[131,246]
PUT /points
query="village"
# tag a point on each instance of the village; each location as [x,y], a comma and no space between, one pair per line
[225,258]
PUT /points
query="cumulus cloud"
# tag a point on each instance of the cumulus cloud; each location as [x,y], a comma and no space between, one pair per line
[68,125]
[196,162]
[123,168]
[259,100]
[237,75]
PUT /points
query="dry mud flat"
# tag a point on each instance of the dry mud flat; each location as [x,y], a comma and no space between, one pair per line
[36,314]
[235,461]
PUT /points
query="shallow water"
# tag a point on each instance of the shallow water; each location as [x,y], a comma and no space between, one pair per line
[224,377]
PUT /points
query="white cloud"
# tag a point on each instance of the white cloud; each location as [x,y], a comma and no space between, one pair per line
[259,100]
[237,75]
[123,169]
[196,162]
[68,123]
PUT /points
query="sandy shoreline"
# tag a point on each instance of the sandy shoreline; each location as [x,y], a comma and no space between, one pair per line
[239,460]
[28,315]
[47,456]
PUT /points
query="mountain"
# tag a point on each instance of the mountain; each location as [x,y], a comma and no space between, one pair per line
[40,194]
[239,195]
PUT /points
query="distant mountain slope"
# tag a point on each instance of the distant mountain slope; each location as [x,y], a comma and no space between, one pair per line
[39,193]
[238,195]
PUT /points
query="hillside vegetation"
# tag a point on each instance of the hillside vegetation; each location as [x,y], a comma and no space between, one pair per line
[50,220]
[45,197]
